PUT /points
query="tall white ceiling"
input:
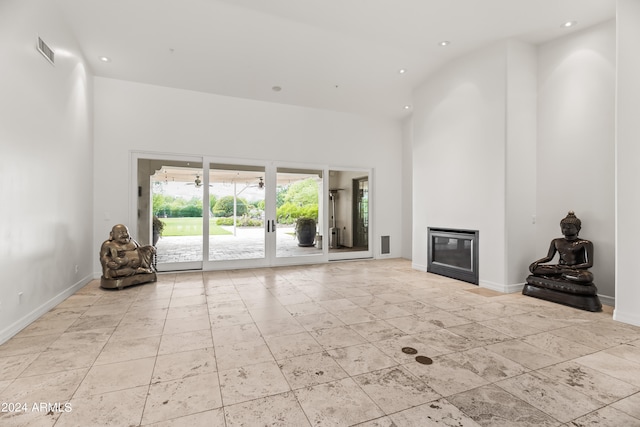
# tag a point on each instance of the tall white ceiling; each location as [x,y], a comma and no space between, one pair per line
[342,55]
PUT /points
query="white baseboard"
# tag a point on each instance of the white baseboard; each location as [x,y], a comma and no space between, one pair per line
[26,320]
[419,267]
[630,318]
[607,300]
[505,289]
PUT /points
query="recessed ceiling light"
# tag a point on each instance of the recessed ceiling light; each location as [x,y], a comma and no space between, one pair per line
[569,24]
[444,43]
[105,59]
[407,107]
[276,88]
[402,70]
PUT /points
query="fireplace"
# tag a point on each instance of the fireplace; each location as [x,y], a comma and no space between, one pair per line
[453,253]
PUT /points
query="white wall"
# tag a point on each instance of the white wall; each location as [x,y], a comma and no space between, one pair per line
[131,116]
[627,162]
[45,165]
[575,156]
[407,189]
[459,157]
[520,165]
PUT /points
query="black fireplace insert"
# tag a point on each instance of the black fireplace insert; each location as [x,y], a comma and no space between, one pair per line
[453,253]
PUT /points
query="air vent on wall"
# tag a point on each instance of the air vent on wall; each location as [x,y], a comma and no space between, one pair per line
[46,51]
[384,245]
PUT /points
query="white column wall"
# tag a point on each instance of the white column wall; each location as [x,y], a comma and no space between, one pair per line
[459,157]
[575,154]
[131,116]
[45,165]
[627,162]
[520,163]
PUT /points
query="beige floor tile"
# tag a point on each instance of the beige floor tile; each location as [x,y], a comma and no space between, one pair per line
[116,376]
[489,365]
[76,357]
[278,410]
[377,331]
[412,324]
[525,354]
[237,333]
[559,347]
[48,326]
[213,418]
[606,417]
[511,328]
[492,406]
[187,311]
[184,364]
[195,323]
[252,382]
[314,322]
[12,366]
[439,412]
[293,345]
[354,315]
[311,369]
[177,398]
[550,395]
[165,337]
[185,341]
[630,352]
[337,337]
[445,376]
[144,316]
[87,323]
[590,382]
[339,403]
[359,359]
[28,345]
[235,355]
[49,388]
[395,389]
[482,335]
[279,327]
[142,329]
[129,349]
[629,405]
[614,366]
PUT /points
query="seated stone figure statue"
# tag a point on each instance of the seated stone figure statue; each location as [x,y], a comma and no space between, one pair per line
[568,282]
[576,254]
[124,261]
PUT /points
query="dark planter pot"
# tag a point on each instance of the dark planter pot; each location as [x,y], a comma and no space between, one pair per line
[306,231]
[156,237]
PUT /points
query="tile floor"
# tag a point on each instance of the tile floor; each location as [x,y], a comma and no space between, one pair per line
[318,346]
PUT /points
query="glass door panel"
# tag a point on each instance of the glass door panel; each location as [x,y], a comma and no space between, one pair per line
[349,214]
[236,212]
[299,212]
[170,216]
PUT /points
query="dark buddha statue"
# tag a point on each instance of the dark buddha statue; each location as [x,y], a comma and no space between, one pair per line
[568,282]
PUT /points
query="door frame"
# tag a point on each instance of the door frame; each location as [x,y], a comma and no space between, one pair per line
[271,168]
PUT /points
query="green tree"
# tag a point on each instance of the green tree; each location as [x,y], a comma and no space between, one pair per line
[224,207]
[302,193]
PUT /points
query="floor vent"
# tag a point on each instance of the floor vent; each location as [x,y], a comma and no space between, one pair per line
[384,245]
[46,51]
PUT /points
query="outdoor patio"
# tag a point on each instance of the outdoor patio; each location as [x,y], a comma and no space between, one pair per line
[248,243]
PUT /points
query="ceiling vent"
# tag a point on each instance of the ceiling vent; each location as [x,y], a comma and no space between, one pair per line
[46,51]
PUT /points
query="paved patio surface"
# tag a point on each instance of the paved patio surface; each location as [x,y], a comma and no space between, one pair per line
[248,243]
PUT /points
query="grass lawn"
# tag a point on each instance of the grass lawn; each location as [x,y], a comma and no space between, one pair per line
[190,227]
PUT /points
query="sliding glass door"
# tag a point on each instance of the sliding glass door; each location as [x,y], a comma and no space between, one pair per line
[212,213]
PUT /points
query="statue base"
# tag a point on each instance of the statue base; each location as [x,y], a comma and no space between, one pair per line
[123,282]
[582,296]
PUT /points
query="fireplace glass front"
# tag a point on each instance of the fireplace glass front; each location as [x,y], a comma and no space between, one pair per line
[453,253]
